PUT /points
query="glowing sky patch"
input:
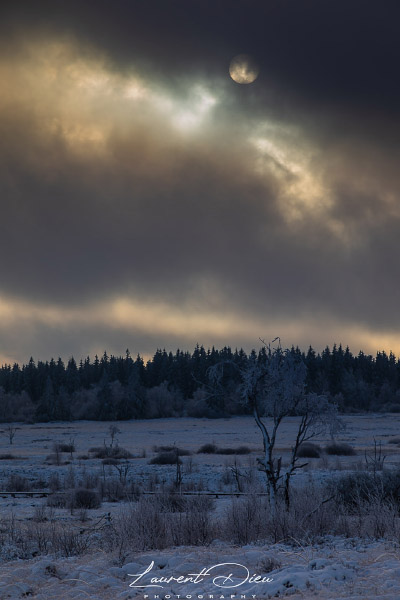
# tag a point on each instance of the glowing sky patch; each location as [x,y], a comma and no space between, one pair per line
[187,323]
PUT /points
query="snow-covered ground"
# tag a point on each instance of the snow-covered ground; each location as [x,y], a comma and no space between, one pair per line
[335,568]
[33,443]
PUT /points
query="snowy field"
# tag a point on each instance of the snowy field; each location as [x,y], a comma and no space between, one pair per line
[338,569]
[32,444]
[335,567]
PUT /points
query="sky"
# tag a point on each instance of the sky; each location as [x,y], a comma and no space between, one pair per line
[149,201]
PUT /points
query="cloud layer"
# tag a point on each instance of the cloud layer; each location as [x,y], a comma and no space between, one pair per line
[147,200]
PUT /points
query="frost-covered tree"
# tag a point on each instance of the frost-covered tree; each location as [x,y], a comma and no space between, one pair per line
[273,386]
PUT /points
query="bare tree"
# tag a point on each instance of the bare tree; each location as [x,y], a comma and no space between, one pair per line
[335,427]
[123,470]
[114,431]
[273,386]
[10,432]
[375,461]
[179,476]
[239,474]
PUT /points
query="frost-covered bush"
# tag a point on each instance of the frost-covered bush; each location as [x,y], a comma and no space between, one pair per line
[10,551]
[145,525]
[245,520]
[140,526]
[175,503]
[69,542]
[355,489]
[249,519]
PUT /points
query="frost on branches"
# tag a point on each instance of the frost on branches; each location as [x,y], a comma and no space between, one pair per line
[273,386]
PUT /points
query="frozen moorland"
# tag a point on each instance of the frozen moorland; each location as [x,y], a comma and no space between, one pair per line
[57,549]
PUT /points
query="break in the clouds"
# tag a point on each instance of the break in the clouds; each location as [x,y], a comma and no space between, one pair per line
[149,201]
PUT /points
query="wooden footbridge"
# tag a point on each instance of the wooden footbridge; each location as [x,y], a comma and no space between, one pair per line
[45,493]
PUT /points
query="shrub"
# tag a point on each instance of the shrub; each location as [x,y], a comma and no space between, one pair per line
[194,527]
[171,503]
[70,543]
[340,449]
[54,482]
[207,449]
[17,483]
[57,500]
[175,503]
[40,514]
[165,458]
[213,449]
[110,452]
[84,498]
[139,526]
[55,459]
[391,485]
[269,563]
[239,450]
[180,451]
[144,525]
[183,452]
[309,450]
[39,484]
[114,490]
[79,498]
[243,522]
[89,480]
[64,447]
[355,488]
[352,488]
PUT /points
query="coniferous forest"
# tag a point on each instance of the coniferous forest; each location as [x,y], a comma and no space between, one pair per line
[175,385]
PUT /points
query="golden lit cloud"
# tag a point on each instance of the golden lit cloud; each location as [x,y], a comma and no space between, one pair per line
[287,155]
[83,101]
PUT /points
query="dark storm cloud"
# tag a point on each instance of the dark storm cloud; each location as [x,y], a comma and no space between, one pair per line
[280,203]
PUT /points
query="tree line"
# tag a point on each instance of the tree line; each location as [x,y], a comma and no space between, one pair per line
[178,384]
